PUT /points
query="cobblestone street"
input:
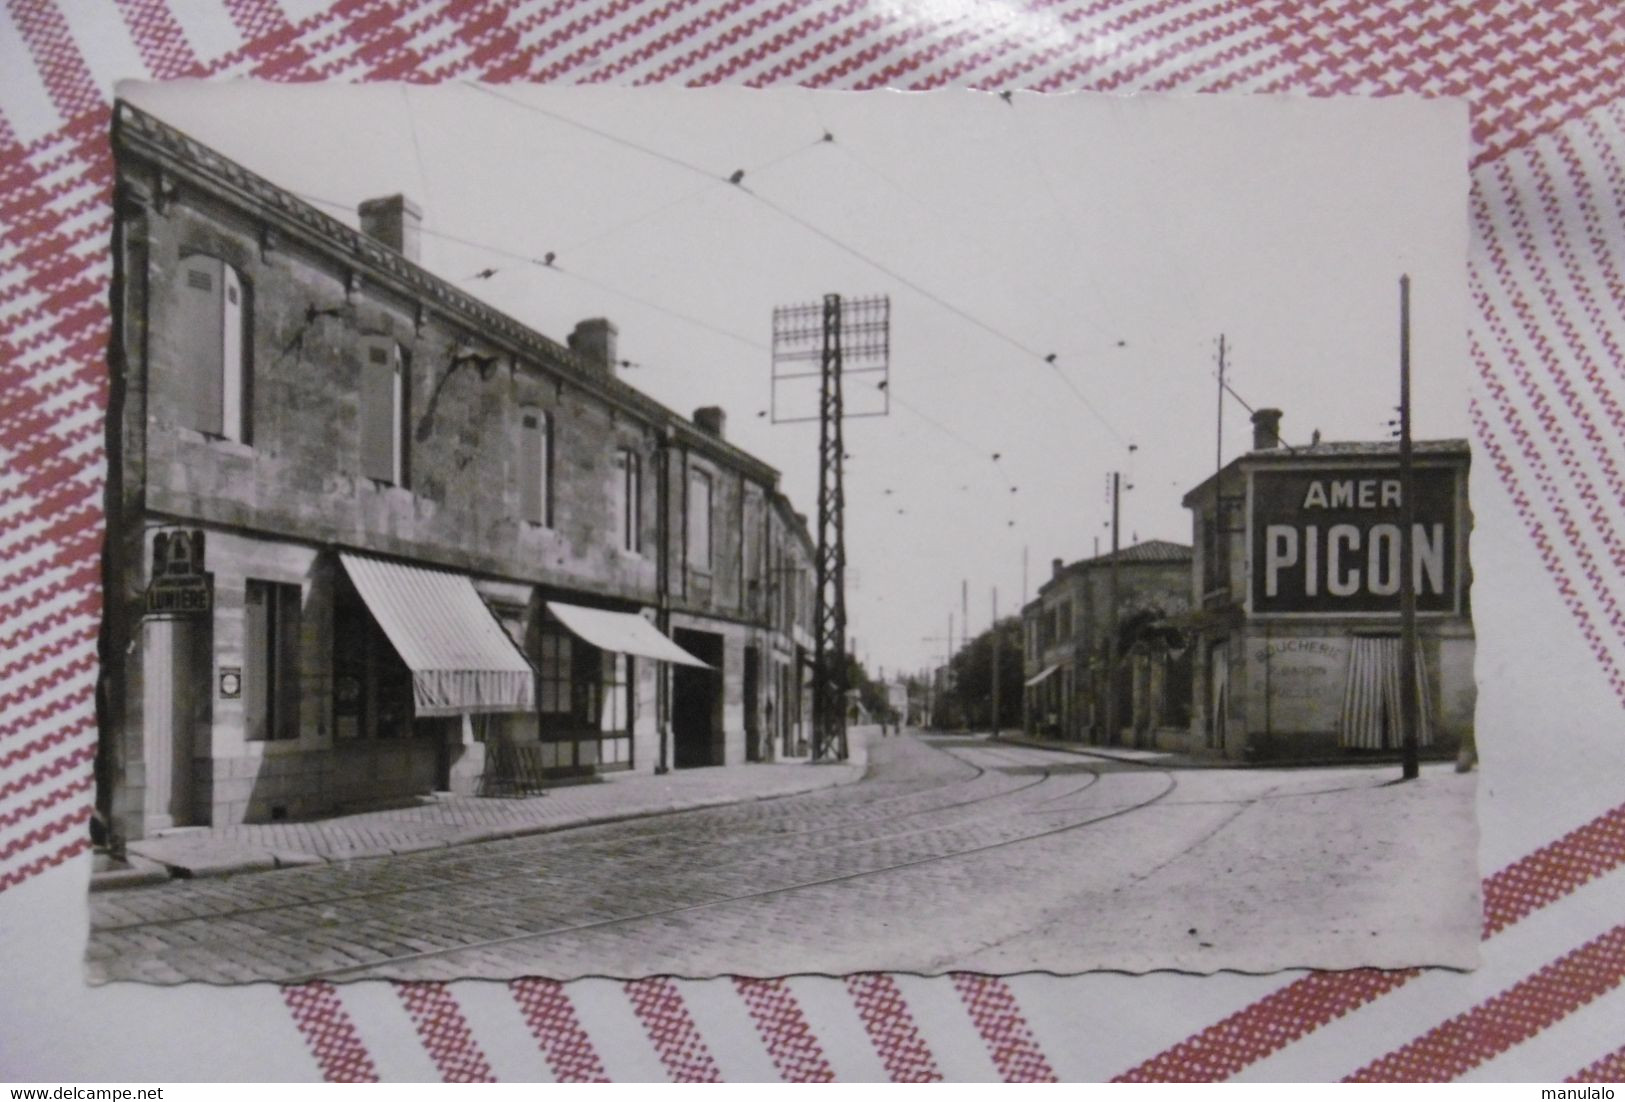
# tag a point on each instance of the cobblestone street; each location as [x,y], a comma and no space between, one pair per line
[952,853]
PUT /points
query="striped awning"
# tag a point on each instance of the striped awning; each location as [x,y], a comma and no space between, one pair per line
[1042,674]
[621,633]
[461,659]
[1371,708]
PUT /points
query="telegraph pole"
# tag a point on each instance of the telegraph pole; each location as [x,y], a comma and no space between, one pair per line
[829,640]
[995,723]
[1407,518]
[830,333]
[1111,622]
[1216,565]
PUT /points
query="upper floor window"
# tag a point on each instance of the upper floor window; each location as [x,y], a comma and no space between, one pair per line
[385,401]
[1065,628]
[629,499]
[212,340]
[699,520]
[536,467]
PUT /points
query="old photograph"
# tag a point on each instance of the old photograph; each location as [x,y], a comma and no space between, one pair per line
[611,532]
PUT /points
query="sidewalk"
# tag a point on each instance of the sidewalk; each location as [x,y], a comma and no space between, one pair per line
[1169,759]
[1162,759]
[459,820]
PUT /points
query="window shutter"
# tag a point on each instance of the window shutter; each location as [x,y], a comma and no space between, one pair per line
[233,391]
[636,494]
[257,660]
[286,642]
[377,412]
[200,344]
[532,454]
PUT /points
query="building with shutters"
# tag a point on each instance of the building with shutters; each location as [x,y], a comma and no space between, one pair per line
[1069,666]
[362,527]
[1295,599]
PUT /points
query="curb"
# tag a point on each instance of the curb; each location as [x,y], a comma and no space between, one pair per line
[1176,760]
[141,873]
[1171,760]
[157,870]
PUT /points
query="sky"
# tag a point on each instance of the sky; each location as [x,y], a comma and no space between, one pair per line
[1060,270]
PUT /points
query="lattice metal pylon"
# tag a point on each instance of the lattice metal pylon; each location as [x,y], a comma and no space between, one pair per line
[846,337]
[829,607]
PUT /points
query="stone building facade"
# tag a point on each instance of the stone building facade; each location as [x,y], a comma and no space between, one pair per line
[1295,599]
[361,525]
[1065,650]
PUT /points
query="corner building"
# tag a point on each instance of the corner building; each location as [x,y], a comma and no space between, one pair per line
[1066,648]
[361,526]
[1295,600]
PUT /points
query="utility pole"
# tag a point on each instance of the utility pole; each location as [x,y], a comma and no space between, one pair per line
[1111,623]
[1218,567]
[830,334]
[1407,519]
[830,639]
[663,685]
[995,634]
[940,704]
[964,613]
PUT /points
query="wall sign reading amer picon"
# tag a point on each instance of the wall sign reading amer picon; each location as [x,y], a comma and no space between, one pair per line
[1326,540]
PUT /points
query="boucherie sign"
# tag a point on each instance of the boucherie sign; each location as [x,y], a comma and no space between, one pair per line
[1327,540]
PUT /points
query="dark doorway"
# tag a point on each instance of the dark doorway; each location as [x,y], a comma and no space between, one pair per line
[696,705]
[753,693]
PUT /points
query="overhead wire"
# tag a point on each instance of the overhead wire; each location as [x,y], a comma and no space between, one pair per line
[1049,359]
[549,263]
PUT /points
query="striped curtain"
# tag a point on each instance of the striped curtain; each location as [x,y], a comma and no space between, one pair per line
[1371,708]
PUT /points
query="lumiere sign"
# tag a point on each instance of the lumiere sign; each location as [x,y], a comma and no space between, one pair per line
[1327,540]
[180,587]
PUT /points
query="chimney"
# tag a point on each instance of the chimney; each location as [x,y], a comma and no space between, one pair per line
[712,420]
[594,341]
[396,221]
[1055,568]
[1266,429]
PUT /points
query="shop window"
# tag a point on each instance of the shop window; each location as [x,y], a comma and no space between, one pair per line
[699,520]
[614,714]
[385,398]
[582,688]
[271,661]
[372,687]
[629,499]
[536,467]
[555,668]
[212,341]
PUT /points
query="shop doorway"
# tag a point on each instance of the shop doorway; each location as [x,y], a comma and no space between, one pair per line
[176,709]
[753,693]
[1218,694]
[696,706]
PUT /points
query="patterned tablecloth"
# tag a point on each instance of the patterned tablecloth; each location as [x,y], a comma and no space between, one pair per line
[1548,250]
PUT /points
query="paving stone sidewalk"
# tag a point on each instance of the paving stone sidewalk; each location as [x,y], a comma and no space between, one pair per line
[458,820]
[1165,759]
[1169,759]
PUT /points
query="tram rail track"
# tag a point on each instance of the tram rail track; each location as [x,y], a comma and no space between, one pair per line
[362,970]
[875,811]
